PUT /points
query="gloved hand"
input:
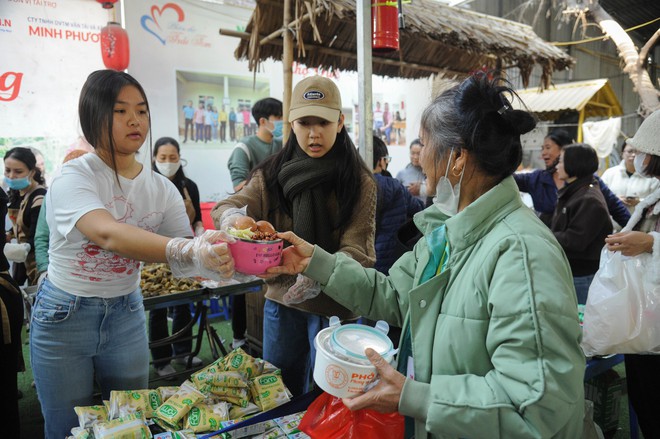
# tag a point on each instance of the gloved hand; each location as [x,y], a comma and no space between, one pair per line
[229,216]
[17,252]
[202,256]
[304,289]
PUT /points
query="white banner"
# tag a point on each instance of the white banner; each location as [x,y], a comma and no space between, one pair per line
[48,49]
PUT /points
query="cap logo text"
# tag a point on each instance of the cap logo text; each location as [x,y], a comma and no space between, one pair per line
[313,95]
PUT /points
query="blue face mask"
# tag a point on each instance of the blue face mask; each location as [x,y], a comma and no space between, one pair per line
[277,130]
[17,183]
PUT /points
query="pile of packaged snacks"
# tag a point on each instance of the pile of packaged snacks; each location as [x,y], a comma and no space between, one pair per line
[157,280]
[231,388]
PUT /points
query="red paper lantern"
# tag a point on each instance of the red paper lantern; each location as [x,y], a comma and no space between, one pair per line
[107,4]
[114,46]
[384,26]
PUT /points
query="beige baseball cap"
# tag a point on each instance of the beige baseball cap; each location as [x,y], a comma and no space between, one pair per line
[315,96]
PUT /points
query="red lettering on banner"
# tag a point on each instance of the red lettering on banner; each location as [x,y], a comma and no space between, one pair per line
[72,35]
[45,32]
[301,69]
[10,85]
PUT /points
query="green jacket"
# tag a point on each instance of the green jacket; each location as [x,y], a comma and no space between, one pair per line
[41,237]
[495,337]
[247,154]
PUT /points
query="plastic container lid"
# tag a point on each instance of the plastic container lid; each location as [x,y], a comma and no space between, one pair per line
[351,341]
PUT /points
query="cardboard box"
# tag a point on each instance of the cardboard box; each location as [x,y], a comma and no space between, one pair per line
[605,391]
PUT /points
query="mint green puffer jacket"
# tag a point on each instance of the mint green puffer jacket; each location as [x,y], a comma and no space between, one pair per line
[495,336]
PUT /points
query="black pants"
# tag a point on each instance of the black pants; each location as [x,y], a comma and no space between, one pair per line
[238,316]
[223,131]
[158,331]
[189,123]
[232,130]
[9,361]
[643,380]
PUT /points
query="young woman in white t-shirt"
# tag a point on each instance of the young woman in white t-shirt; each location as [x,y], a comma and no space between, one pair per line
[106,213]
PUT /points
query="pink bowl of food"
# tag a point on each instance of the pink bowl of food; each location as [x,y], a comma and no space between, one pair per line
[255,257]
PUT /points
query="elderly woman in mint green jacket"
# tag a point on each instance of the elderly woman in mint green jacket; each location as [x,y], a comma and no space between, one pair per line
[489,347]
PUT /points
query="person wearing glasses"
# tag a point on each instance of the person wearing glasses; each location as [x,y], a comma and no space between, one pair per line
[626,183]
[412,175]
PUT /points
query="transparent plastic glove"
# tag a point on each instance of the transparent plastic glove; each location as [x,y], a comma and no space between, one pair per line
[304,289]
[201,256]
[17,252]
[229,216]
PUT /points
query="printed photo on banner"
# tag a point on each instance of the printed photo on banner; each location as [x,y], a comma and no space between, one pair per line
[215,111]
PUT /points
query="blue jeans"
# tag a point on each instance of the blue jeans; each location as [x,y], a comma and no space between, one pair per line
[582,284]
[75,340]
[289,343]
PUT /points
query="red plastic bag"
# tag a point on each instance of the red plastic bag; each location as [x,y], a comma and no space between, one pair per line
[328,418]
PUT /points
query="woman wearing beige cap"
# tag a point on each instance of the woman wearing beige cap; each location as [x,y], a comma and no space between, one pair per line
[319,187]
[642,235]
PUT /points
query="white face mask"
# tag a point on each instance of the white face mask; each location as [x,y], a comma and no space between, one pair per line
[168,169]
[447,197]
[639,164]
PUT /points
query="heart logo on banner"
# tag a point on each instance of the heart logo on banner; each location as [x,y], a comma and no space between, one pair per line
[150,22]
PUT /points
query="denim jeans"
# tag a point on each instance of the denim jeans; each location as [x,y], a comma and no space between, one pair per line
[289,343]
[582,284]
[75,340]
[158,331]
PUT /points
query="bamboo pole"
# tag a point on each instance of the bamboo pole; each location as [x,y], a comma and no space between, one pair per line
[364,59]
[287,65]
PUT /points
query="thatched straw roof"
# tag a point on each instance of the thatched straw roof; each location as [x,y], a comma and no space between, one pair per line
[437,39]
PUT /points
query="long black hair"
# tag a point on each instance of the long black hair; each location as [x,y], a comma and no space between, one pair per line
[96,107]
[477,115]
[26,156]
[179,178]
[350,170]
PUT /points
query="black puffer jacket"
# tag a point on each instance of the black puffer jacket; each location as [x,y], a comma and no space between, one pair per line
[580,223]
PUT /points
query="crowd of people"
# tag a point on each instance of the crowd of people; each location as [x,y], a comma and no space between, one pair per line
[207,123]
[485,293]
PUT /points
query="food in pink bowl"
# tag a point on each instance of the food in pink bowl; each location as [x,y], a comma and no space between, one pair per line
[257,247]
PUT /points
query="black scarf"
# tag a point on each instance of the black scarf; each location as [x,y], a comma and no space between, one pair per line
[307,183]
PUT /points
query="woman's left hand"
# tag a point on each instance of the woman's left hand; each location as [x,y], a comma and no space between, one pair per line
[295,258]
[384,396]
[630,243]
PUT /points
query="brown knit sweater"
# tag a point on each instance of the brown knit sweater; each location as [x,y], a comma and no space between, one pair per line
[357,240]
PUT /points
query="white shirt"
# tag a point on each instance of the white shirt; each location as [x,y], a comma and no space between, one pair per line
[77,265]
[617,179]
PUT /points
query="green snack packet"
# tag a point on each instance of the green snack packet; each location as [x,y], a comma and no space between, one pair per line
[268,391]
[207,417]
[90,415]
[127,427]
[179,404]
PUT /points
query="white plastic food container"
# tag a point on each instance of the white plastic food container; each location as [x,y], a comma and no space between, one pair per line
[341,368]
